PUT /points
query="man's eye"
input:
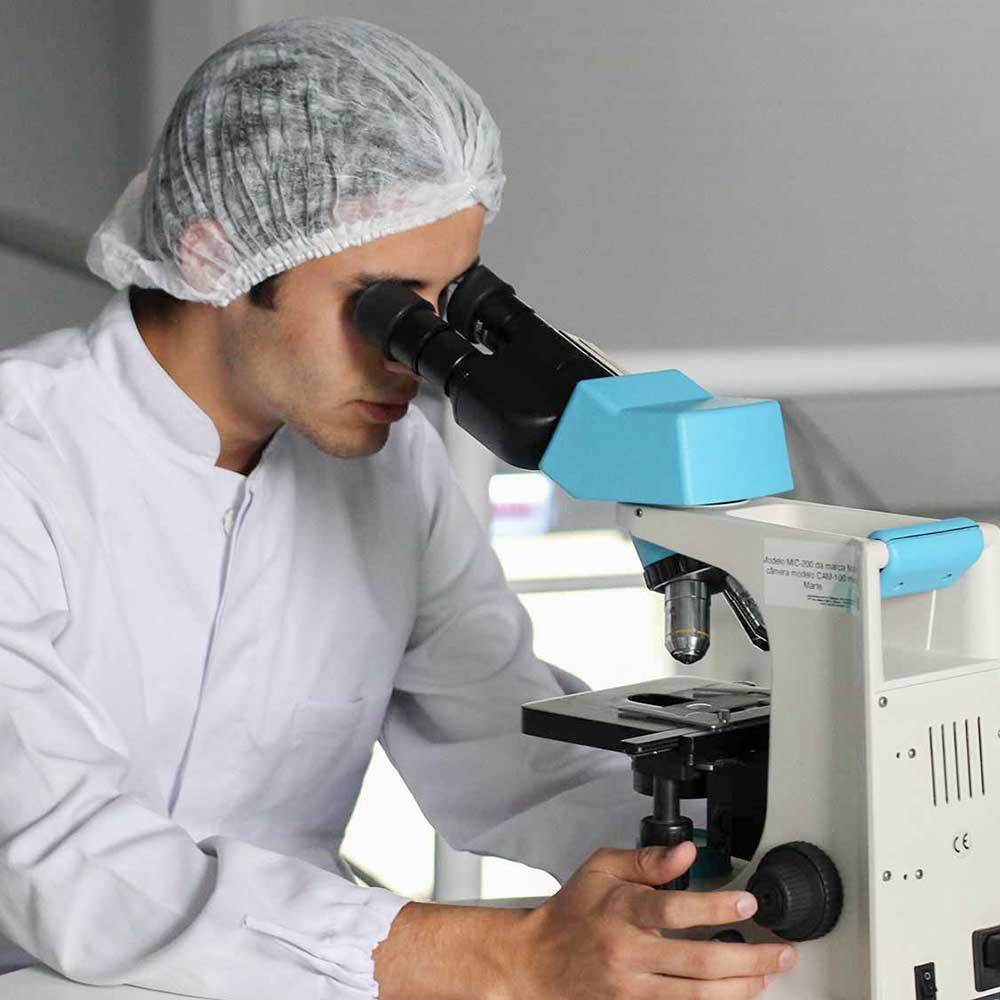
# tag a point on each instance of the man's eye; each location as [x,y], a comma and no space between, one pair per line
[352,300]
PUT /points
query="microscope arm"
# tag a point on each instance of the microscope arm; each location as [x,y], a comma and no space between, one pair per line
[541,399]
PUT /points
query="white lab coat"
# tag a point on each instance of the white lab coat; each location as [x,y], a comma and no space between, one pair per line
[195,665]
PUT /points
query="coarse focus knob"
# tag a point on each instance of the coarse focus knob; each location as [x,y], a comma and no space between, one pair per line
[799,892]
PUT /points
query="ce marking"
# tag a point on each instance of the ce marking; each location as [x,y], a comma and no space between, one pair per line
[962,843]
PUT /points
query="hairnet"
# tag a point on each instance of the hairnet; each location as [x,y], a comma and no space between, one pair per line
[295,141]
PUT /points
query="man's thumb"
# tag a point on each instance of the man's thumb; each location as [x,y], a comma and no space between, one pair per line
[646,866]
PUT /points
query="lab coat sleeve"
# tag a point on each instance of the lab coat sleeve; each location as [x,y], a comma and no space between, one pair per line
[97,884]
[453,728]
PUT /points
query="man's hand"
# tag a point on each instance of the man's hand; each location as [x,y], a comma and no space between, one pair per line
[598,938]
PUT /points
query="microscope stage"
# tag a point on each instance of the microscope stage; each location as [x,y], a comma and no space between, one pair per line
[652,715]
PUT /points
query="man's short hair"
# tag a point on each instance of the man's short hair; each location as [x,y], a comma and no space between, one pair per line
[160,304]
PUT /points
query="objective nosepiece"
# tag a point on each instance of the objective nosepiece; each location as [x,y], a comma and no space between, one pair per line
[688,609]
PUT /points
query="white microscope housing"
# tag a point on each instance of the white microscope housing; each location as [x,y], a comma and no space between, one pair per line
[884,742]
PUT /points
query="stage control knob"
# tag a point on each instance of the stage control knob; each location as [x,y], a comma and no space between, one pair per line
[799,892]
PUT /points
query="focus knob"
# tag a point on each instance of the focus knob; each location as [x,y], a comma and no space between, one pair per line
[799,892]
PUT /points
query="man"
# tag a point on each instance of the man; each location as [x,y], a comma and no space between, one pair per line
[225,573]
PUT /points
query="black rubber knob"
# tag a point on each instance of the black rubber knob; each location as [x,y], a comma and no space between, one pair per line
[656,832]
[799,892]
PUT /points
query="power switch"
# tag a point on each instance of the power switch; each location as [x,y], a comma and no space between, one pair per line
[986,958]
[991,951]
[926,981]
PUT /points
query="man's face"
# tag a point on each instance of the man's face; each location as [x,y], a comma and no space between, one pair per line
[304,364]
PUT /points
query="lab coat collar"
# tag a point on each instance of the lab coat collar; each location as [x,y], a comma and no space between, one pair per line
[122,356]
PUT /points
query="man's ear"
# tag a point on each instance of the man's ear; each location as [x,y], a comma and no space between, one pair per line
[206,255]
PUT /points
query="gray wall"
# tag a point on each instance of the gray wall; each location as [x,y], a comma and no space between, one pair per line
[84,88]
[711,173]
[71,86]
[745,171]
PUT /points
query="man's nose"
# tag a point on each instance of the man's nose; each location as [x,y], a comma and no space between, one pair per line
[397,368]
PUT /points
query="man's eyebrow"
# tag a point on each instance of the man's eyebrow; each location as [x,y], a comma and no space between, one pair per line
[365,278]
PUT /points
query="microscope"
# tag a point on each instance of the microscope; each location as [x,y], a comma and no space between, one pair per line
[852,796]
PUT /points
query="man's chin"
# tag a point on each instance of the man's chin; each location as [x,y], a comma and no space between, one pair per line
[354,442]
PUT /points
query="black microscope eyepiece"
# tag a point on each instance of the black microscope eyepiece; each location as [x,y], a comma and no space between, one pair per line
[507,373]
[385,308]
[406,329]
[481,305]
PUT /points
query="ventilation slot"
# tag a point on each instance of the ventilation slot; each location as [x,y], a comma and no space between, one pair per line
[956,756]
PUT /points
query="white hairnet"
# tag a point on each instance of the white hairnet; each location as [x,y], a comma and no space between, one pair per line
[295,141]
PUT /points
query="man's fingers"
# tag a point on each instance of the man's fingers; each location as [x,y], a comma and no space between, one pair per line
[677,911]
[647,866]
[714,959]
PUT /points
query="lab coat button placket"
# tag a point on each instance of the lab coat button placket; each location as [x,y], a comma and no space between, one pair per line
[231,520]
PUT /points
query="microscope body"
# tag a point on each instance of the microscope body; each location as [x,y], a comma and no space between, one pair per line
[884,736]
[856,796]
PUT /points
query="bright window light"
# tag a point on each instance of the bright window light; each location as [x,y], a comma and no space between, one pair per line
[568,555]
[521,503]
[606,637]
[404,862]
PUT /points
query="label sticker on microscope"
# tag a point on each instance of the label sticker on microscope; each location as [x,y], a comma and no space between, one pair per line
[819,575]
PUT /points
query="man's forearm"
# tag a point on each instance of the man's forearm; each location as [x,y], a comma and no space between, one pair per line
[441,952]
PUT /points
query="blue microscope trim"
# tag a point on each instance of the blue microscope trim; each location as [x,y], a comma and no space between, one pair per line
[928,556]
[650,552]
[659,438]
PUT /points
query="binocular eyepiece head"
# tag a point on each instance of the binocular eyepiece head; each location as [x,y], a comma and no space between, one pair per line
[398,321]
